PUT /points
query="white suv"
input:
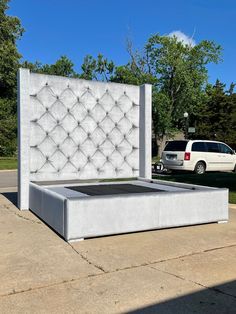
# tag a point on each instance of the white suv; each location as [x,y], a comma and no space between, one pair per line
[198,156]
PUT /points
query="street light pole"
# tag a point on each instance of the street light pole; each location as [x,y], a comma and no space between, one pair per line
[185,124]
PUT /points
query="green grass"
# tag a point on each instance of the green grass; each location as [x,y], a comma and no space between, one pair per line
[216,179]
[8,163]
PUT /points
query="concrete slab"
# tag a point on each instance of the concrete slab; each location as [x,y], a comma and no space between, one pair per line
[139,290]
[124,251]
[32,255]
[182,270]
[219,269]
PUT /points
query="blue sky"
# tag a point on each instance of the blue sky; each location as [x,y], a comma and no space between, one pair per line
[79,27]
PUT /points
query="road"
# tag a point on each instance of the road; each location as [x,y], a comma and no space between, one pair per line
[8,179]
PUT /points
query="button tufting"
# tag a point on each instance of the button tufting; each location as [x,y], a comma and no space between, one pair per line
[95,113]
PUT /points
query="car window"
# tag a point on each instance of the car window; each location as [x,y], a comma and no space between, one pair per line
[178,146]
[198,147]
[225,149]
[212,147]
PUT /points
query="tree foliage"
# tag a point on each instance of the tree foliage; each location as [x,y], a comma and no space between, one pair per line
[216,118]
[63,66]
[97,69]
[10,32]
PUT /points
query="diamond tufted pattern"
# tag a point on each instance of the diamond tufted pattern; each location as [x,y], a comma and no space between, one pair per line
[83,129]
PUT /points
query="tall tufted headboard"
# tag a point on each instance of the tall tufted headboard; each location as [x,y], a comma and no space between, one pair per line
[77,129]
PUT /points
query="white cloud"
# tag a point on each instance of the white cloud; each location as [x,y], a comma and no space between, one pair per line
[185,39]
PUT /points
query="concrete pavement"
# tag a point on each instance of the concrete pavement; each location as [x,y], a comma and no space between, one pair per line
[179,270]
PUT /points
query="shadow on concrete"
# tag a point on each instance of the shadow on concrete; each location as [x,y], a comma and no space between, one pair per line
[218,299]
[11,196]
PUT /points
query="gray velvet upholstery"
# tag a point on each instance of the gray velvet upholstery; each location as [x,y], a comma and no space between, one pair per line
[76,129]
[80,130]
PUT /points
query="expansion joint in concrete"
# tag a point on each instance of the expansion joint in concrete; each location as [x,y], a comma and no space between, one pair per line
[20,216]
[87,260]
[192,281]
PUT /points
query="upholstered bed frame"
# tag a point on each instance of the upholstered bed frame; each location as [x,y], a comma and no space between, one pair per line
[73,132]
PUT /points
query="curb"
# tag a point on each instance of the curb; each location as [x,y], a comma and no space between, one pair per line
[8,170]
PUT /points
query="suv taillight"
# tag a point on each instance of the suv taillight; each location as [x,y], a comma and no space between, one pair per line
[187,156]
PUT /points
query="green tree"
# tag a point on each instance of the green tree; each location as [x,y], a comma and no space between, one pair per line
[97,69]
[10,32]
[63,66]
[217,118]
[181,75]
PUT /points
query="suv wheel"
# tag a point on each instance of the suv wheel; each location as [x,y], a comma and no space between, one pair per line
[200,168]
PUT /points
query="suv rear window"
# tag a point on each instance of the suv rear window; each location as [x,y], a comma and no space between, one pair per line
[199,147]
[178,146]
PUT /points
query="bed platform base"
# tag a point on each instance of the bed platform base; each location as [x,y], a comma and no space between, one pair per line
[76,215]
